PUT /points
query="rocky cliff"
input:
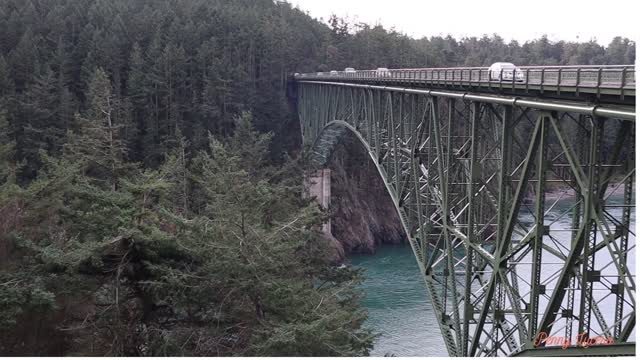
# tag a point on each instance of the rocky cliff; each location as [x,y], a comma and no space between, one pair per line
[363,215]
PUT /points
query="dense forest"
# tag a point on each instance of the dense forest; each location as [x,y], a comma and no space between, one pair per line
[149,202]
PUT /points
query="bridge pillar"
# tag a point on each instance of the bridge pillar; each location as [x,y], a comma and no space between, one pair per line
[318,185]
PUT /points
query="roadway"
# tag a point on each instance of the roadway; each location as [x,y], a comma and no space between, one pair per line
[591,83]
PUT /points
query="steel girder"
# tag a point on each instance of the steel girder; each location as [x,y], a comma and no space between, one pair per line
[502,261]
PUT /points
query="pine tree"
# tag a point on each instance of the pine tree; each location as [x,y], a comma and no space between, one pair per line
[5,81]
[66,100]
[175,170]
[268,259]
[41,127]
[99,143]
[7,150]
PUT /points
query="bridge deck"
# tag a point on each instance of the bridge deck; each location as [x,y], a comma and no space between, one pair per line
[590,82]
[469,174]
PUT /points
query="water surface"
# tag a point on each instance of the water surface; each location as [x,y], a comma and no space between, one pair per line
[399,305]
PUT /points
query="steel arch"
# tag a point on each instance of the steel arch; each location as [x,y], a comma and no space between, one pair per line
[461,171]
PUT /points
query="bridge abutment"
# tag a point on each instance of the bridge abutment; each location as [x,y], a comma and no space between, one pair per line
[318,185]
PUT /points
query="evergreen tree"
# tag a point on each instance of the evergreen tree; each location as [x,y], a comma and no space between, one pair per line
[236,275]
[267,264]
[7,149]
[99,143]
[41,127]
[176,170]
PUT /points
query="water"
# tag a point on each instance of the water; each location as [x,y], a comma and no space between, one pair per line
[398,303]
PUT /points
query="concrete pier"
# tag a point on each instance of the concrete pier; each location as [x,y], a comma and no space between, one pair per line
[318,185]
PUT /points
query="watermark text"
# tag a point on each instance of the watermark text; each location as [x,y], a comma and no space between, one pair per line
[582,340]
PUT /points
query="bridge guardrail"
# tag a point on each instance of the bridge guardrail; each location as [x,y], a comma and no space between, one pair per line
[609,78]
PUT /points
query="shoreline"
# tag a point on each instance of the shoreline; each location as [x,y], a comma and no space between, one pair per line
[567,192]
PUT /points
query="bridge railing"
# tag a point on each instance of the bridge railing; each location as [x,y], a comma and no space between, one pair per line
[546,77]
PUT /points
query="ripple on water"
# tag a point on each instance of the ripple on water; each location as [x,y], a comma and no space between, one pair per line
[397,300]
[398,304]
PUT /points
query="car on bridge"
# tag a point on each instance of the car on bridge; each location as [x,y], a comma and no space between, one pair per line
[349,70]
[333,73]
[382,72]
[504,71]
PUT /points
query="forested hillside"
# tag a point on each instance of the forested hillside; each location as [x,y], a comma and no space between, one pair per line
[189,66]
[148,202]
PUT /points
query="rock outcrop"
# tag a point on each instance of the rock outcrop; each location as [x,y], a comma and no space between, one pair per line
[363,214]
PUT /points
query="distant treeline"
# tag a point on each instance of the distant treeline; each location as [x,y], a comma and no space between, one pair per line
[367,47]
[190,66]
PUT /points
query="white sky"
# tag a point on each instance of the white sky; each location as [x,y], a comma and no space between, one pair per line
[569,20]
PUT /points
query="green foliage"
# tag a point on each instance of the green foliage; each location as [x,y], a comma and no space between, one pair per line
[20,295]
[255,255]
[7,149]
[185,68]
[99,142]
[212,256]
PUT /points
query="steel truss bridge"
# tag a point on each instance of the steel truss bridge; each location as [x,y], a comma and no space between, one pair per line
[504,260]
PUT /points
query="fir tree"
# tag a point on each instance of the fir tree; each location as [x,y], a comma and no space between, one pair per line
[99,142]
[7,150]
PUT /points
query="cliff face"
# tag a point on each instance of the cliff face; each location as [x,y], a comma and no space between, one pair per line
[363,214]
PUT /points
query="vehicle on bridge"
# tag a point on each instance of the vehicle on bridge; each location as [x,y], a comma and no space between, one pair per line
[505,71]
[349,70]
[594,83]
[333,73]
[382,71]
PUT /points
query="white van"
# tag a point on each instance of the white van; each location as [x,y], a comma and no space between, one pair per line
[333,73]
[349,70]
[505,71]
[382,72]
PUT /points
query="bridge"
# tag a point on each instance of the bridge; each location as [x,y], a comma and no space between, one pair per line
[614,83]
[511,268]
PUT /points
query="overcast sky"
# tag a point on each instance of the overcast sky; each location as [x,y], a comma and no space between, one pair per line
[520,20]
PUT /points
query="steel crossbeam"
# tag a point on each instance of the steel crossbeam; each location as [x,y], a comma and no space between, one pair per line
[469,175]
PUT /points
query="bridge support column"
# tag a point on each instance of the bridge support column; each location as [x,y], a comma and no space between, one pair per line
[318,185]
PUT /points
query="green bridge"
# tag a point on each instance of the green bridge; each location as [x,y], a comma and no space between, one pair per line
[468,162]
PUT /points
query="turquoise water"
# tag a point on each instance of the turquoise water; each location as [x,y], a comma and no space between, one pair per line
[398,303]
